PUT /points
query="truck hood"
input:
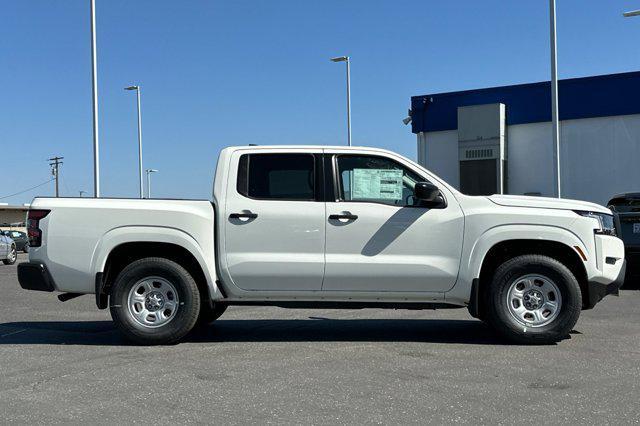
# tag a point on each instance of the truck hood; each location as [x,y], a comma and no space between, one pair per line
[546,203]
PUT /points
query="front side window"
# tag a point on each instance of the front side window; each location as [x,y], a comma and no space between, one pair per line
[376,179]
[277,176]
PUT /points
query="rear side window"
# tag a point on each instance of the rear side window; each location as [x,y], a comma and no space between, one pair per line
[277,176]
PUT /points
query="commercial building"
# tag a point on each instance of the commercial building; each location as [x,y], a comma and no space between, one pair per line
[499,140]
[12,217]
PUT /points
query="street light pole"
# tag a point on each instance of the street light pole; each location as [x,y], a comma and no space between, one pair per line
[94,85]
[554,95]
[149,171]
[137,89]
[347,60]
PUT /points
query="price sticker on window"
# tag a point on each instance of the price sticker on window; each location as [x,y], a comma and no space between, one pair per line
[377,184]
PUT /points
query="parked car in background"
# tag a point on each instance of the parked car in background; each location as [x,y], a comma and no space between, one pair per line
[8,252]
[627,209]
[20,238]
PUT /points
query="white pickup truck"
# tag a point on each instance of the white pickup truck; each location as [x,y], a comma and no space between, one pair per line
[330,227]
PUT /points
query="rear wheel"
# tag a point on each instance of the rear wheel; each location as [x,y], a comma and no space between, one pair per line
[154,301]
[11,256]
[533,299]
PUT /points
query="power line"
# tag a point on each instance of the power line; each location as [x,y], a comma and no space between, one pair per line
[26,190]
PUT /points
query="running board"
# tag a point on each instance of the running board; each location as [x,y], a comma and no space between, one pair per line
[341,305]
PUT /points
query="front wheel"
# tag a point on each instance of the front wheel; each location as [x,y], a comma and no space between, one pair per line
[154,301]
[11,257]
[533,299]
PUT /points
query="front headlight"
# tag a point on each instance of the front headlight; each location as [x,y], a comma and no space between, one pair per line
[606,224]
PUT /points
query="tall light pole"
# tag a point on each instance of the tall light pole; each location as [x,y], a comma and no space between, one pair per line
[346,59]
[554,95]
[137,89]
[149,171]
[94,84]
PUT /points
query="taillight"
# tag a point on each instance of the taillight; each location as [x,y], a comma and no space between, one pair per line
[33,230]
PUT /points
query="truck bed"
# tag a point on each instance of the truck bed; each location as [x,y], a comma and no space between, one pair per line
[79,233]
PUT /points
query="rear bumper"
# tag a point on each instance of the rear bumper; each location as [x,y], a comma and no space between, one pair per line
[35,276]
[598,290]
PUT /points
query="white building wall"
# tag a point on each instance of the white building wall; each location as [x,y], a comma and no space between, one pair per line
[530,159]
[599,157]
[438,152]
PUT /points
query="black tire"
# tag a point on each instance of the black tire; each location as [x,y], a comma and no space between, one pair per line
[186,313]
[501,319]
[209,314]
[25,249]
[12,256]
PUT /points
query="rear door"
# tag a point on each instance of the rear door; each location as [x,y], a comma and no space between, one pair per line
[275,220]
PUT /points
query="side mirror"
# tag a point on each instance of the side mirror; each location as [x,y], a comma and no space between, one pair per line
[428,192]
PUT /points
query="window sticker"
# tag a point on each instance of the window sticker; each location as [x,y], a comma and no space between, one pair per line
[380,184]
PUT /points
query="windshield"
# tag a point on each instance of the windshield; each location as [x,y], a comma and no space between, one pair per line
[625,204]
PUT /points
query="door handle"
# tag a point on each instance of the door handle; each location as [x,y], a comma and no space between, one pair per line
[348,216]
[243,215]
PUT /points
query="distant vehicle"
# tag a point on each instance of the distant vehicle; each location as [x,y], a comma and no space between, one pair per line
[20,238]
[8,253]
[326,227]
[627,208]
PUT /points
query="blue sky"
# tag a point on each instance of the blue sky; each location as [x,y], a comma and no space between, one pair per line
[219,73]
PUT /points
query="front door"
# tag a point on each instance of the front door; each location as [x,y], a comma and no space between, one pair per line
[379,238]
[275,230]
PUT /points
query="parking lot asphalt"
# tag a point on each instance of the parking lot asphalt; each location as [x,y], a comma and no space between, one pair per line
[65,362]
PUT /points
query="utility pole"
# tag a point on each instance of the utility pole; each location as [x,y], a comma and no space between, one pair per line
[55,164]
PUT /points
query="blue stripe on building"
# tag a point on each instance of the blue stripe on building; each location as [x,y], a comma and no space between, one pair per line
[598,96]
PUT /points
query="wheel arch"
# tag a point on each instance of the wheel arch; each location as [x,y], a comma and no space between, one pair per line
[122,246]
[504,250]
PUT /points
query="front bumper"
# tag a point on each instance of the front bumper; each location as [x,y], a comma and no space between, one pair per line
[632,277]
[35,276]
[598,290]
